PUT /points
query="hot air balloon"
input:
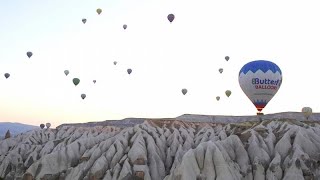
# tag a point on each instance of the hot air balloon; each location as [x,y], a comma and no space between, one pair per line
[228,93]
[170,17]
[41,126]
[220,70]
[84,20]
[6,75]
[260,80]
[99,11]
[83,96]
[94,81]
[124,26]
[115,62]
[307,111]
[218,98]
[227,58]
[76,81]
[29,54]
[184,91]
[48,125]
[129,71]
[66,72]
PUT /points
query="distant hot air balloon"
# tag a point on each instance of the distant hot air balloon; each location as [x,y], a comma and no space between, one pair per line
[227,58]
[124,26]
[99,11]
[48,125]
[6,75]
[184,91]
[220,70]
[94,81]
[170,17]
[115,62]
[84,20]
[218,98]
[307,111]
[83,96]
[66,72]
[41,126]
[29,54]
[129,71]
[228,93]
[260,80]
[76,81]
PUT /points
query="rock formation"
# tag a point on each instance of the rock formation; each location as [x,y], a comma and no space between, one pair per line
[166,149]
[8,135]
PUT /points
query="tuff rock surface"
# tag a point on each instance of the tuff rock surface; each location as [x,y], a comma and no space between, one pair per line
[166,149]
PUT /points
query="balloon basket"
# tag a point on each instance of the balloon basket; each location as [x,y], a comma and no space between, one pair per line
[259,113]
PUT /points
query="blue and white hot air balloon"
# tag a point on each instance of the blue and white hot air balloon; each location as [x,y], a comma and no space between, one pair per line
[260,80]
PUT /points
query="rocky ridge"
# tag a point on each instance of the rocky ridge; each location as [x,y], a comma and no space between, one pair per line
[167,149]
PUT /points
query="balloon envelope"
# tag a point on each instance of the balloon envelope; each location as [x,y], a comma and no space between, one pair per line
[48,125]
[66,72]
[218,98]
[94,81]
[124,26]
[6,75]
[227,58]
[129,71]
[228,93]
[170,17]
[83,96]
[29,54]
[99,11]
[115,62]
[220,70]
[84,20]
[260,80]
[307,111]
[184,91]
[76,81]
[41,126]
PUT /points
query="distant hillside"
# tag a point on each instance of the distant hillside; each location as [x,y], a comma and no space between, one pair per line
[236,119]
[15,128]
[130,122]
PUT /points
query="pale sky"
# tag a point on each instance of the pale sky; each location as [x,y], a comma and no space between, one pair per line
[164,57]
